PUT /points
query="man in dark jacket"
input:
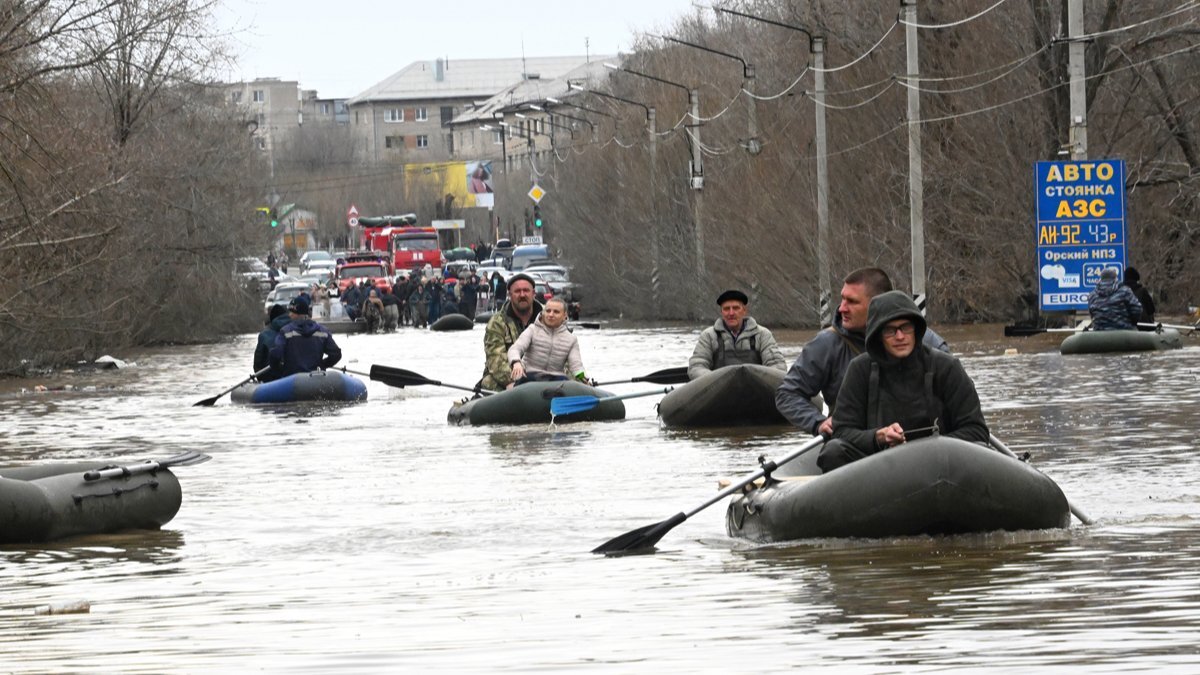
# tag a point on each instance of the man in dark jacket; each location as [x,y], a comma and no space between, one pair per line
[300,344]
[899,387]
[469,292]
[822,365]
[1113,307]
[1133,279]
[276,320]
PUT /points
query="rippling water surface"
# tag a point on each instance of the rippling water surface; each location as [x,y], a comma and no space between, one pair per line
[376,537]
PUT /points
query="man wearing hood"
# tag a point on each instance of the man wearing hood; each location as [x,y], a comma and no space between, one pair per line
[1113,307]
[503,329]
[898,388]
[277,318]
[301,343]
[822,365]
[733,340]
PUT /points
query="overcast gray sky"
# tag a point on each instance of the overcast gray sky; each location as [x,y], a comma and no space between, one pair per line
[341,47]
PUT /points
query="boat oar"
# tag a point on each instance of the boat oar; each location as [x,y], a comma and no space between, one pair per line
[1189,329]
[568,405]
[150,465]
[212,400]
[647,536]
[399,377]
[665,376]
[1078,512]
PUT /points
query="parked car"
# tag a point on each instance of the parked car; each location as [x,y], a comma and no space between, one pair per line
[526,254]
[485,272]
[318,276]
[284,293]
[311,256]
[557,278]
[460,268]
[253,273]
[329,265]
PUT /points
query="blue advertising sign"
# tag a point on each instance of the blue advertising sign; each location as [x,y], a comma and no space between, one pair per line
[1080,228]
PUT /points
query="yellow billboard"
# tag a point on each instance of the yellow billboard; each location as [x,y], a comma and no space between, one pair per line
[469,182]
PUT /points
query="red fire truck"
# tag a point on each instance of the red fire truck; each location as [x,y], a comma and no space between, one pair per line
[409,247]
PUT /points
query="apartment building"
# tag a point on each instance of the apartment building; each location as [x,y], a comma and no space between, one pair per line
[407,117]
[271,105]
[530,118]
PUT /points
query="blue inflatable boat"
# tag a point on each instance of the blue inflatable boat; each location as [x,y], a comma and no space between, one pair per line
[319,385]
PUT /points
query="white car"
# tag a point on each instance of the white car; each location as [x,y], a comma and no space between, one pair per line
[310,257]
[284,293]
[317,265]
[254,273]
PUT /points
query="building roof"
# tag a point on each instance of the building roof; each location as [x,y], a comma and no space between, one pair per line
[479,78]
[538,90]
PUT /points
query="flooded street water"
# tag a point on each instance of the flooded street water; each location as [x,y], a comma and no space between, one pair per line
[376,537]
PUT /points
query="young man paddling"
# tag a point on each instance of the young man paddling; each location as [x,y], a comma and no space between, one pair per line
[822,365]
[900,386]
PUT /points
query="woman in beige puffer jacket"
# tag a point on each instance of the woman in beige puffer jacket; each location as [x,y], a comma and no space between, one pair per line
[546,347]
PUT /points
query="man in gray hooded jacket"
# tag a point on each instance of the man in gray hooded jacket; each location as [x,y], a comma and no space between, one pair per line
[899,388]
[822,365]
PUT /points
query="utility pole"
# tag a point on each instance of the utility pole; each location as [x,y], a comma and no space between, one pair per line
[818,52]
[697,183]
[651,122]
[916,198]
[1076,68]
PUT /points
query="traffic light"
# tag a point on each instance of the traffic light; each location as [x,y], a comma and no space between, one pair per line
[268,215]
[537,216]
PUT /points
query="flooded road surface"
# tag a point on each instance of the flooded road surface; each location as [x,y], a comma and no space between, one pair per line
[375,537]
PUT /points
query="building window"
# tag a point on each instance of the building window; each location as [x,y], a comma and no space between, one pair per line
[235,97]
[262,144]
[394,142]
[393,115]
[447,114]
[261,120]
[422,114]
[497,137]
[422,141]
[259,95]
[324,108]
[356,117]
[448,141]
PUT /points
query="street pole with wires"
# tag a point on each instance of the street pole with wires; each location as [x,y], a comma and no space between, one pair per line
[916,197]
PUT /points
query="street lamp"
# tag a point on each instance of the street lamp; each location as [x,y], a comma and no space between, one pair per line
[816,47]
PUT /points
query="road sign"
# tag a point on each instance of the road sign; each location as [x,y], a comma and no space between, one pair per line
[530,240]
[1080,228]
[352,216]
[536,193]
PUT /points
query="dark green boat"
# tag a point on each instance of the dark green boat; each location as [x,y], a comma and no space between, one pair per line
[529,403]
[43,503]
[1106,341]
[925,487]
[742,395]
[452,322]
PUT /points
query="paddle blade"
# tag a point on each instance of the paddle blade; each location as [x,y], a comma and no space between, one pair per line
[567,405]
[667,376]
[1022,331]
[397,377]
[208,401]
[641,539]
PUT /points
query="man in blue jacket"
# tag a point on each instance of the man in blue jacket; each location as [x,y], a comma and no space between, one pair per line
[301,344]
[276,320]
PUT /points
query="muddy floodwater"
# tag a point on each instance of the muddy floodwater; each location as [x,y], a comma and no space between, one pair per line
[377,538]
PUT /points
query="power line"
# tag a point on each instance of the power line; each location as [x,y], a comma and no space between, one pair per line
[954,23]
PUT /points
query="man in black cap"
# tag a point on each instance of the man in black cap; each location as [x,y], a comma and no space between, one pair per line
[734,339]
[1133,279]
[300,344]
[503,329]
